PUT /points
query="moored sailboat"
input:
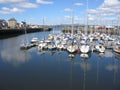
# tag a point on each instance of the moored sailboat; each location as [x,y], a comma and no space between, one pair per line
[116,48]
[84,48]
[25,44]
[72,48]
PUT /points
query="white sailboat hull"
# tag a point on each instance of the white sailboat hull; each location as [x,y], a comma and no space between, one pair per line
[72,48]
[84,49]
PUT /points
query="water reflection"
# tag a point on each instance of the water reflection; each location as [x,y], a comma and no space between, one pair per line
[102,55]
[117,56]
[113,68]
[71,56]
[15,57]
[51,53]
[109,53]
[10,52]
[97,72]
[85,67]
[84,56]
[42,52]
[92,71]
[106,54]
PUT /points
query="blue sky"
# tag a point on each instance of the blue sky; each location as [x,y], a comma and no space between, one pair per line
[58,11]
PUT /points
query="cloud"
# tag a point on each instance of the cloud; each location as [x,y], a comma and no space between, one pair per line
[76,18]
[108,8]
[44,2]
[19,3]
[111,3]
[92,11]
[78,4]
[68,10]
[11,1]
[16,5]
[67,17]
[92,18]
[107,11]
[27,5]
[6,10]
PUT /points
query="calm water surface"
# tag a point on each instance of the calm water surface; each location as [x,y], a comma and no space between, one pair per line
[33,70]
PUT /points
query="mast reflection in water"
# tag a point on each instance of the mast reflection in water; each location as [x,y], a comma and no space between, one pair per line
[33,70]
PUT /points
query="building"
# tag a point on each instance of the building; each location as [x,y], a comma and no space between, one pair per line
[3,24]
[12,23]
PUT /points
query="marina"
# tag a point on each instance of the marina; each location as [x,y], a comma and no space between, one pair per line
[56,68]
[76,42]
[60,45]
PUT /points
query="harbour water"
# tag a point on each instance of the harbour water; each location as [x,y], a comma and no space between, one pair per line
[55,70]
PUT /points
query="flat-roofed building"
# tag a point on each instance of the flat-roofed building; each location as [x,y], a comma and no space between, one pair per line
[12,23]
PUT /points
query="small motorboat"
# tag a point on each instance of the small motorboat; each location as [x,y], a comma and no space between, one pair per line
[100,48]
[51,46]
[34,40]
[116,49]
[26,46]
[42,45]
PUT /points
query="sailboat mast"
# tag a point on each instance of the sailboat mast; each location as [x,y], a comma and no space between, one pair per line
[43,23]
[86,26]
[72,19]
[43,27]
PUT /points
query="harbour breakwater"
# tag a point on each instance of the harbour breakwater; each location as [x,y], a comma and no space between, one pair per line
[111,31]
[6,33]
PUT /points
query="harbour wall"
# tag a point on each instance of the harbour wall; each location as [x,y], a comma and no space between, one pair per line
[6,33]
[111,31]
